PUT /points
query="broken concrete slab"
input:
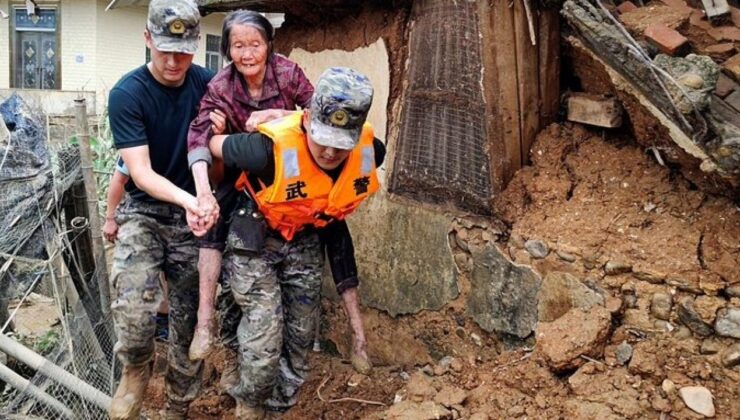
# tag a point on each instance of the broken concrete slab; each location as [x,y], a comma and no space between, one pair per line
[404,262]
[503,296]
[594,110]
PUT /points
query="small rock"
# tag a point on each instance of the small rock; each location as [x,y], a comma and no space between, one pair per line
[517,241]
[565,256]
[427,410]
[536,248]
[450,395]
[733,291]
[668,387]
[710,346]
[614,305]
[664,325]
[428,370]
[623,353]
[420,388]
[403,375]
[563,341]
[456,365]
[660,404]
[445,361]
[691,319]
[630,301]
[515,411]
[660,306]
[691,80]
[707,306]
[728,322]
[682,333]
[613,268]
[476,339]
[460,320]
[731,356]
[648,275]
[460,332]
[440,370]
[355,380]
[699,399]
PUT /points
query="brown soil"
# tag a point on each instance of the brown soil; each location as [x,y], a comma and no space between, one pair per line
[595,197]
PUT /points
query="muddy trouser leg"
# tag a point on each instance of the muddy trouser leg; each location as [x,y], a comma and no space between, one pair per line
[182,379]
[229,315]
[300,283]
[137,263]
[254,286]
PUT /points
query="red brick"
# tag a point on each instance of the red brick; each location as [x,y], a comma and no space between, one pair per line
[731,67]
[720,52]
[626,6]
[668,40]
[724,86]
[639,19]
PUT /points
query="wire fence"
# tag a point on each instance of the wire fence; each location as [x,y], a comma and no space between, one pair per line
[42,232]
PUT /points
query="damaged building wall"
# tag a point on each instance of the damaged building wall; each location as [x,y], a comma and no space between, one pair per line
[403,247]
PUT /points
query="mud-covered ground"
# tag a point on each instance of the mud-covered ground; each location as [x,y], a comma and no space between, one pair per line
[614,220]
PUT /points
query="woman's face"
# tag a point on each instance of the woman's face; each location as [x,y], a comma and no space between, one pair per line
[248,50]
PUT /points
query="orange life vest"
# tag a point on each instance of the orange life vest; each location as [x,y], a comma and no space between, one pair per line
[302,194]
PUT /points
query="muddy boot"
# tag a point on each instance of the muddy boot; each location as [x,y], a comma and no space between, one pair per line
[126,402]
[202,343]
[174,411]
[361,364]
[247,412]
[230,375]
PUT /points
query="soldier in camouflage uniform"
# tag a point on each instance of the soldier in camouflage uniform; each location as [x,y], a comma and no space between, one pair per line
[312,168]
[150,109]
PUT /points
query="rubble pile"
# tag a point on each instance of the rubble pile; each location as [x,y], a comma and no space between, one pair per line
[676,73]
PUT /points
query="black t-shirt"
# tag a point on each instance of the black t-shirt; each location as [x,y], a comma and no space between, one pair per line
[142,111]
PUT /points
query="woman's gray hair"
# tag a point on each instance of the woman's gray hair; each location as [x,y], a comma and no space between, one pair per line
[250,18]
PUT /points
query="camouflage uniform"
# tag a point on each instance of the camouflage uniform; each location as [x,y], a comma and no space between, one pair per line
[154,238]
[277,293]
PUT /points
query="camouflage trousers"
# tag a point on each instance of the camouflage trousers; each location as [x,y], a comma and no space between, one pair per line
[268,309]
[155,238]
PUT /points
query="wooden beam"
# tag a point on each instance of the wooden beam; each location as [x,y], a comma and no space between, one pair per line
[507,104]
[548,42]
[528,78]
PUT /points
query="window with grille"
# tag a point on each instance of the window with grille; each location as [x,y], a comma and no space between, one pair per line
[213,52]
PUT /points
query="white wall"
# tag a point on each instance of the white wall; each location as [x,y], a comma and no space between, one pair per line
[4,47]
[98,47]
[77,21]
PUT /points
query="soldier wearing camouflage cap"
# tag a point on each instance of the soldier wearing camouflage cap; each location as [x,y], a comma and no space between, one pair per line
[150,110]
[303,175]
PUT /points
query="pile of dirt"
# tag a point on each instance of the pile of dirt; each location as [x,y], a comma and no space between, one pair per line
[660,256]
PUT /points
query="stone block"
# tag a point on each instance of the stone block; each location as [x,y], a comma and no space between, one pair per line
[404,262]
[503,295]
[594,110]
[667,40]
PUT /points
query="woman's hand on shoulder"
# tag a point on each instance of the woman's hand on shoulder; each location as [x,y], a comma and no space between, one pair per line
[263,116]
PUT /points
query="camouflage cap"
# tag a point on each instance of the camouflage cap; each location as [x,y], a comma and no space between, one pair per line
[339,107]
[174,25]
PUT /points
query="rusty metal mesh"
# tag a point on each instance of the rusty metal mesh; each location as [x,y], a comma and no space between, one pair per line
[442,156]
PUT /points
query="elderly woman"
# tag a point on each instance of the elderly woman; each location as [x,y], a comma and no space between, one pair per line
[255,87]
